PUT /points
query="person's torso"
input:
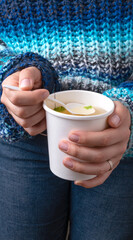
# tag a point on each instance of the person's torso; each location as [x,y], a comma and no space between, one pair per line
[86,40]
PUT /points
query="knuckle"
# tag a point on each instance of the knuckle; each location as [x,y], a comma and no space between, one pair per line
[33,133]
[76,151]
[30,131]
[24,123]
[85,137]
[77,167]
[101,171]
[14,99]
[99,156]
[105,141]
[22,113]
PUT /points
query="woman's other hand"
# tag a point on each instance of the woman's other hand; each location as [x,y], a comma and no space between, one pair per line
[25,106]
[96,148]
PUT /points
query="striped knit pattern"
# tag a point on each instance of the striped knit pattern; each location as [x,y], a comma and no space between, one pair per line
[88,42]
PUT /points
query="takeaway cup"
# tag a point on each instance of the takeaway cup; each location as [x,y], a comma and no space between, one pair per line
[59,125]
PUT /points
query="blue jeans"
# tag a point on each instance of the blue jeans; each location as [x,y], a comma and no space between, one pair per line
[36,205]
[104,212]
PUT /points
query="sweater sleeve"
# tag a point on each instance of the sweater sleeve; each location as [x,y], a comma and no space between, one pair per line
[9,130]
[124,94]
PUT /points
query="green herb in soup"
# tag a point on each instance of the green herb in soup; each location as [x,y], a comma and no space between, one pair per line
[88,107]
[59,109]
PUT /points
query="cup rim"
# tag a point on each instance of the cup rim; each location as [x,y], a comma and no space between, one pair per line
[77,117]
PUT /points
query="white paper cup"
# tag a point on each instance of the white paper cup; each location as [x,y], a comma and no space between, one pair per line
[59,125]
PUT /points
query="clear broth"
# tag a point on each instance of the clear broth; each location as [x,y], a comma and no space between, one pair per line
[98,111]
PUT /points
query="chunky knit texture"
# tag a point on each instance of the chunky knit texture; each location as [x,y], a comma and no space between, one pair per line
[88,42]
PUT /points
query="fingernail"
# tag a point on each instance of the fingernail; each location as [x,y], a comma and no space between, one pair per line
[45,95]
[63,146]
[115,119]
[68,163]
[74,138]
[78,183]
[25,83]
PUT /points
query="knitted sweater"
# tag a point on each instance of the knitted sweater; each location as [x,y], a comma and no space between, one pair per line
[88,44]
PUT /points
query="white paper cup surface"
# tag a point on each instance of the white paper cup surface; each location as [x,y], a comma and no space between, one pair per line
[59,125]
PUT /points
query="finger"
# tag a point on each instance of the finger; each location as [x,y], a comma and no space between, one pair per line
[30,78]
[31,121]
[99,139]
[92,154]
[119,115]
[26,98]
[91,168]
[37,129]
[13,79]
[94,182]
[23,111]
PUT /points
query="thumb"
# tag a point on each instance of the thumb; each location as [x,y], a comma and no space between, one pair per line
[115,119]
[30,78]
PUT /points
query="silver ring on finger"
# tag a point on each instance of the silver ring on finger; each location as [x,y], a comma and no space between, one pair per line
[110,165]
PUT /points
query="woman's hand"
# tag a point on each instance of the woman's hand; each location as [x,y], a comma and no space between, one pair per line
[96,148]
[26,106]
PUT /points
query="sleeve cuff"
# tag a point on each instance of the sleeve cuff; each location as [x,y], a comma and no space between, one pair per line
[19,62]
[10,131]
[125,96]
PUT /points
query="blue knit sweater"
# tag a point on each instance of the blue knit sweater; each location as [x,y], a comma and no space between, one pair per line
[76,44]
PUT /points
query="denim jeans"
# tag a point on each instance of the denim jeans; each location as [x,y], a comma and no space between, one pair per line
[104,212]
[36,205]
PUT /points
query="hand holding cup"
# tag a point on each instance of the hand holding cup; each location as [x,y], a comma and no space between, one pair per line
[25,106]
[101,151]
